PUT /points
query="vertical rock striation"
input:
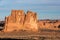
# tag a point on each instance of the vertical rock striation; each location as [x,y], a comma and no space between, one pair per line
[19,21]
[31,21]
[14,21]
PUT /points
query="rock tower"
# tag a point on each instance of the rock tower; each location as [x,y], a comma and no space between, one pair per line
[18,20]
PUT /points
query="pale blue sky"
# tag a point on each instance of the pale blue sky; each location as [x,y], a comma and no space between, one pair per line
[46,9]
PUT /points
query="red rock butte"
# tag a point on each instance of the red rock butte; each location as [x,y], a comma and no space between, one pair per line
[18,20]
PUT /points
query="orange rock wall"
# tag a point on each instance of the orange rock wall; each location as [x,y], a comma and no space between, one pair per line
[31,21]
[18,20]
[14,21]
[48,24]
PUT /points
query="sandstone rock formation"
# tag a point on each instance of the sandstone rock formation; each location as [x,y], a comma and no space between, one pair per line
[14,21]
[31,21]
[19,21]
[49,24]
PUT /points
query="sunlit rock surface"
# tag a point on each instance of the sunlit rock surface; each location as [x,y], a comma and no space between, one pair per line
[49,24]
[31,21]
[18,20]
[14,22]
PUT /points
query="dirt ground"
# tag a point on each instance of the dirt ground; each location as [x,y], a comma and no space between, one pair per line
[41,35]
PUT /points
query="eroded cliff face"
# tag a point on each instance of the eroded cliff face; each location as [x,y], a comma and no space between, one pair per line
[18,20]
[31,21]
[49,24]
[14,21]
